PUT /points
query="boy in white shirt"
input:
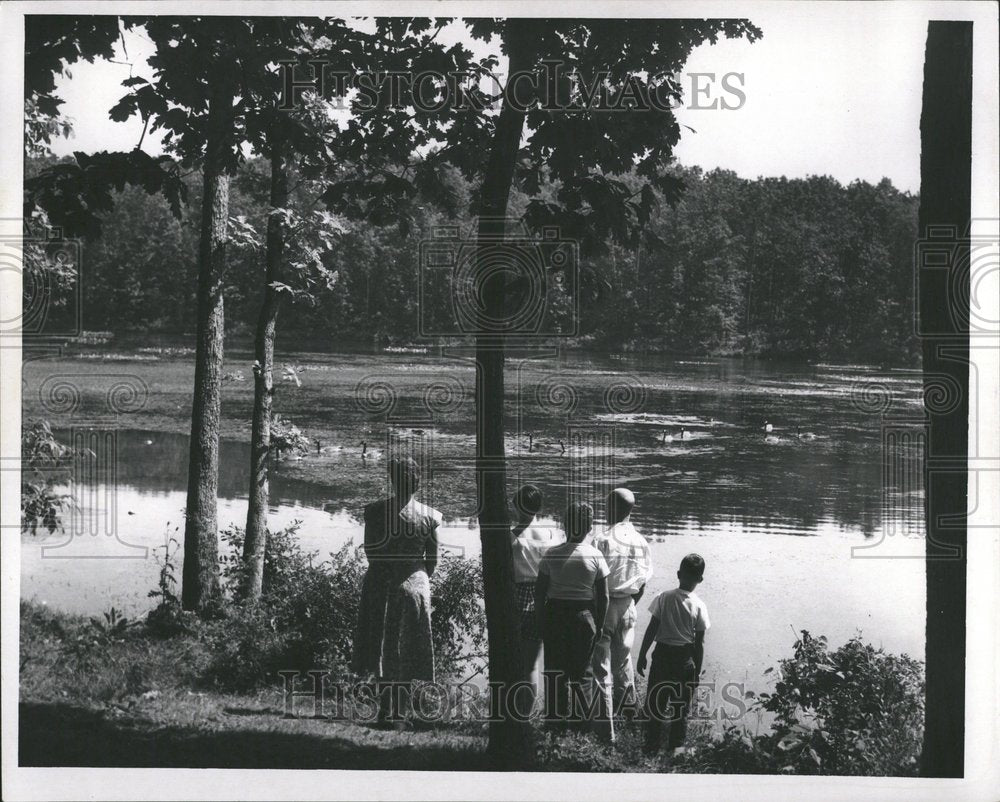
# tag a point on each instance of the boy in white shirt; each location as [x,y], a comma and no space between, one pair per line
[572,601]
[529,542]
[628,557]
[678,625]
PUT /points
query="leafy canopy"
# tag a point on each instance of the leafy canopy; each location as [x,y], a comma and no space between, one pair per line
[588,149]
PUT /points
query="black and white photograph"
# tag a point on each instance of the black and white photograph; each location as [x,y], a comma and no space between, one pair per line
[468,400]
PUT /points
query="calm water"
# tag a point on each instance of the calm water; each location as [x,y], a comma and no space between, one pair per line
[815,524]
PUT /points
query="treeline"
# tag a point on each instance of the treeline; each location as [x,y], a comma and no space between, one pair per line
[801,268]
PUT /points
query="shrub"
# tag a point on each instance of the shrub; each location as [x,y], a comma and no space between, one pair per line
[854,711]
[43,461]
[735,752]
[286,436]
[458,617]
[857,710]
[168,618]
[246,652]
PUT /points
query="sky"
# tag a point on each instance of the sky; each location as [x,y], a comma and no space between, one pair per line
[831,92]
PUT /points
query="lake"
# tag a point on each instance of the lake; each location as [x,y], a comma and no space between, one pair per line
[799,485]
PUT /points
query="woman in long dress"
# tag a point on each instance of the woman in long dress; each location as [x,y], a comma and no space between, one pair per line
[393,640]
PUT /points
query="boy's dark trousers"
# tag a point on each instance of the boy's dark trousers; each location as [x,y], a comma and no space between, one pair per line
[568,633]
[668,694]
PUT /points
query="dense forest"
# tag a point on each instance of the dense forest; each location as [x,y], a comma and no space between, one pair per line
[776,267]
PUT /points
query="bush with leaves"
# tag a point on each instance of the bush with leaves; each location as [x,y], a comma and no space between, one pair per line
[286,436]
[168,618]
[735,751]
[90,642]
[854,711]
[43,461]
[458,617]
[857,710]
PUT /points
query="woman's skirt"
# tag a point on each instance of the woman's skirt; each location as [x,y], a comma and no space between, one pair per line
[408,651]
[366,659]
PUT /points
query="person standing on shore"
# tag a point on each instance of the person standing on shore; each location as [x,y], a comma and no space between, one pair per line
[678,626]
[393,637]
[529,542]
[629,561]
[573,582]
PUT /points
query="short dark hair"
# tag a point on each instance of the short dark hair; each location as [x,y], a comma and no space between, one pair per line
[404,474]
[693,566]
[579,520]
[528,499]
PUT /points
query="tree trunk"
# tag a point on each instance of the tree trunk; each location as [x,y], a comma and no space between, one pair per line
[507,738]
[255,541]
[945,200]
[201,549]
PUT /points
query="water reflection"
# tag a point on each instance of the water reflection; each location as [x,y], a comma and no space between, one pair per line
[696,451]
[707,475]
[157,462]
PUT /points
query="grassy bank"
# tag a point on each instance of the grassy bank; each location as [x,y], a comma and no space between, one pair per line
[172,689]
[95,696]
[99,693]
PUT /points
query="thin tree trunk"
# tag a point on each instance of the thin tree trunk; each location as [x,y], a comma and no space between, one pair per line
[507,738]
[255,542]
[201,549]
[945,200]
[750,272]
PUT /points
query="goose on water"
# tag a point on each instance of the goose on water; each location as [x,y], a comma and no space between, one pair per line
[370,453]
[544,445]
[322,449]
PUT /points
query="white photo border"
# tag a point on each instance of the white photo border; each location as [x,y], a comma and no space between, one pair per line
[982,780]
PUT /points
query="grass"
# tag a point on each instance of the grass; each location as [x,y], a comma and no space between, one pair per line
[93,695]
[113,693]
[213,731]
[130,699]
